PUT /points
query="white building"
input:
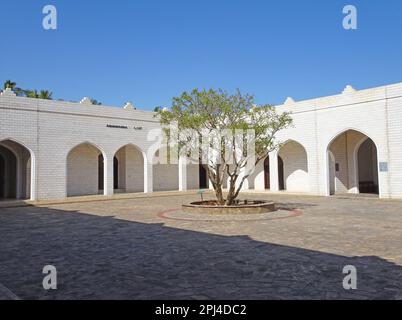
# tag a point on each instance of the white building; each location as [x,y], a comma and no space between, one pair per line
[347,143]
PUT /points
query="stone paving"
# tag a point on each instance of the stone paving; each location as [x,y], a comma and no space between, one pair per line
[125,249]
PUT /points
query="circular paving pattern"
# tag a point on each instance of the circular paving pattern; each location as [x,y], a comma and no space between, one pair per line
[179,214]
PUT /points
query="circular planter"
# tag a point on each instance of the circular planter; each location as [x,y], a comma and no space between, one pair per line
[241,207]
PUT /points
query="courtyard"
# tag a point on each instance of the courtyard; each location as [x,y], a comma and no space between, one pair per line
[145,248]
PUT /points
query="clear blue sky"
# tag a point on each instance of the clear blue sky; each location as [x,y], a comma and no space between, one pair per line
[149,51]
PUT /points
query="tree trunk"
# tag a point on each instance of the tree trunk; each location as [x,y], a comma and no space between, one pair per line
[217,185]
[231,195]
[219,194]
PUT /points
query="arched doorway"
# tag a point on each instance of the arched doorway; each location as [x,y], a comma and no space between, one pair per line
[129,170]
[15,171]
[352,164]
[260,178]
[368,167]
[83,176]
[293,168]
[9,174]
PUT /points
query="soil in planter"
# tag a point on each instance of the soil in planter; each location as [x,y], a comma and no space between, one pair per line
[236,203]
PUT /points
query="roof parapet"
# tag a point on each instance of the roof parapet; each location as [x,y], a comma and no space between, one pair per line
[8,92]
[348,89]
[86,101]
[129,106]
[289,100]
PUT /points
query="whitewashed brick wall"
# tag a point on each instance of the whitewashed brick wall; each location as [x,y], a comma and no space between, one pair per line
[50,129]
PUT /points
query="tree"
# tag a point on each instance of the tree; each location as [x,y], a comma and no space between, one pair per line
[13,86]
[32,94]
[95,102]
[9,84]
[45,94]
[227,125]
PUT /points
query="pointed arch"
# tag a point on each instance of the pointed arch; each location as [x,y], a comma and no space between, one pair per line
[342,154]
[19,180]
[82,169]
[130,169]
[293,167]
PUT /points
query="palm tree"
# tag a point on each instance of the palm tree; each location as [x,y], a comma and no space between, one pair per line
[32,94]
[9,84]
[45,94]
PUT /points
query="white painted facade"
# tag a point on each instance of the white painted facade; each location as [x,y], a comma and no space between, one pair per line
[338,144]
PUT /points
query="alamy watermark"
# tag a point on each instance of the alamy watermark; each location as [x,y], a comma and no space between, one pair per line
[50,280]
[350,19]
[49,21]
[350,280]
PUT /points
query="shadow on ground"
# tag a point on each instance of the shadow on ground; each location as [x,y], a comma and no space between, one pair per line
[106,258]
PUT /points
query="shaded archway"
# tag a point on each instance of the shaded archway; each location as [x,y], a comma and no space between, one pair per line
[293,168]
[83,176]
[129,169]
[352,164]
[259,179]
[368,167]
[16,177]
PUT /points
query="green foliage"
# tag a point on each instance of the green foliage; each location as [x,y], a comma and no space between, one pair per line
[95,102]
[205,111]
[43,94]
[9,84]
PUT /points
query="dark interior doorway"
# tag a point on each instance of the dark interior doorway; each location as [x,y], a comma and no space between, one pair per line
[100,172]
[203,178]
[115,173]
[267,181]
[368,168]
[281,174]
[2,176]
[8,172]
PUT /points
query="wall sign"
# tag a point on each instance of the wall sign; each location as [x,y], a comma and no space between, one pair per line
[123,127]
[383,166]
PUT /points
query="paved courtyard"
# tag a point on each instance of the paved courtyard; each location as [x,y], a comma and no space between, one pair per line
[141,249]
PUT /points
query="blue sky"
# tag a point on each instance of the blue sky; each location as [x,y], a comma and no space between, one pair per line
[149,51]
